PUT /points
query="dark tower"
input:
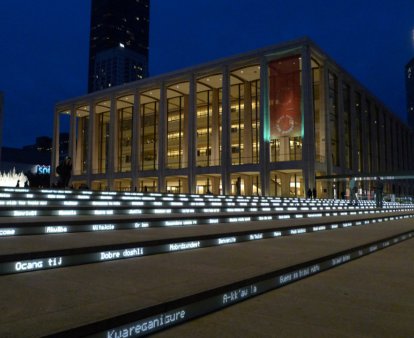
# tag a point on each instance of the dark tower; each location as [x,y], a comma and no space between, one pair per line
[409,85]
[118,46]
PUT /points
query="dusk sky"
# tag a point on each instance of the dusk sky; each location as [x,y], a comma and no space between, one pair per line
[44,46]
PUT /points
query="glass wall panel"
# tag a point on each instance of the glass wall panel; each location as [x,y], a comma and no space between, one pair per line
[378,143]
[149,129]
[320,133]
[148,184]
[177,114]
[209,110]
[64,127]
[285,100]
[346,94]
[124,133]
[82,125]
[333,117]
[102,142]
[367,135]
[245,125]
[358,130]
[287,183]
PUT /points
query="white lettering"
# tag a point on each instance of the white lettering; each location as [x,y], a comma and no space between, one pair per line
[146,326]
[284,216]
[134,211]
[141,225]
[133,252]
[297,231]
[7,232]
[227,240]
[56,229]
[103,212]
[256,236]
[25,266]
[184,246]
[265,218]
[25,213]
[103,227]
[110,255]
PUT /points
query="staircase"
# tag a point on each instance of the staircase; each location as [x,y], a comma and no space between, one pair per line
[111,264]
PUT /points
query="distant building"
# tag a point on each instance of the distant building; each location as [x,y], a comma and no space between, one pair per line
[409,85]
[119,40]
[25,160]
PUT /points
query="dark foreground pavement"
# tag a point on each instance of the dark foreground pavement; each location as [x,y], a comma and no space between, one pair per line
[370,297]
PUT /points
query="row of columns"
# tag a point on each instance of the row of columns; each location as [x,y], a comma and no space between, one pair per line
[397,148]
[226,167]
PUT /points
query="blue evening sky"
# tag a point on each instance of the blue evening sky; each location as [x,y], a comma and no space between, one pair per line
[44,46]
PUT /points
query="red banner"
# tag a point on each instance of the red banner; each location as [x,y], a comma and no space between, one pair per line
[285,97]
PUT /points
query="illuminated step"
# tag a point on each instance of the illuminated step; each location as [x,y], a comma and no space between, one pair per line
[42,260]
[108,223]
[150,320]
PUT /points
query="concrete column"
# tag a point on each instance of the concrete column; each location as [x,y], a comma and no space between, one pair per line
[185,144]
[308,114]
[248,185]
[136,141]
[323,119]
[264,128]
[162,138]
[341,126]
[77,160]
[353,136]
[92,144]
[328,146]
[192,135]
[226,139]
[373,126]
[365,131]
[285,184]
[381,146]
[215,128]
[215,185]
[55,147]
[248,130]
[112,160]
[72,135]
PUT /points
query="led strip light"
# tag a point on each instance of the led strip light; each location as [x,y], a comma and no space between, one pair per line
[168,220]
[35,261]
[160,317]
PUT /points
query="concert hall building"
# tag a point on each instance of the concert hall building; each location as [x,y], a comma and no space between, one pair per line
[273,121]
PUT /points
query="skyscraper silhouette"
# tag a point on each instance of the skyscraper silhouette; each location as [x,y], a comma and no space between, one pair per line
[119,39]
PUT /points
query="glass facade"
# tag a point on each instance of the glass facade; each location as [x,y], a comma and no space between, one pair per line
[149,130]
[320,117]
[177,115]
[244,100]
[82,142]
[124,133]
[208,122]
[234,128]
[333,118]
[102,116]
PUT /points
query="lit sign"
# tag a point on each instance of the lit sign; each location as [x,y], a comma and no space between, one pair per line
[42,169]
